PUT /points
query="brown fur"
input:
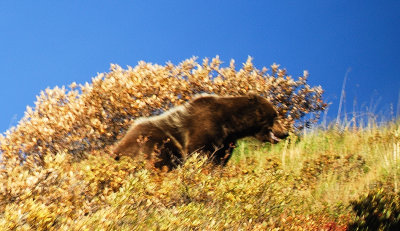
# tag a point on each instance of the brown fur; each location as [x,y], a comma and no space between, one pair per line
[207,124]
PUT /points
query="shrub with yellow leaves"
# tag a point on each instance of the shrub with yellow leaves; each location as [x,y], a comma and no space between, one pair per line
[90,117]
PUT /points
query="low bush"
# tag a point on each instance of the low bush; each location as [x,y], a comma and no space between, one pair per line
[378,210]
[85,118]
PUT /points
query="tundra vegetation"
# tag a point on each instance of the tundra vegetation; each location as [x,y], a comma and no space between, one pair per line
[56,172]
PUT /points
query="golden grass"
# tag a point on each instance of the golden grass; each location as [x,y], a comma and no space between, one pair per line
[303,183]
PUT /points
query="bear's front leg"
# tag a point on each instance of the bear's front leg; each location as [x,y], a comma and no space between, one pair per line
[222,155]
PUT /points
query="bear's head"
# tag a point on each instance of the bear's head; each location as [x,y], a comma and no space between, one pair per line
[270,128]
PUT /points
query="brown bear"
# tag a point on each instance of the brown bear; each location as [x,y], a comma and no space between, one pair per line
[207,124]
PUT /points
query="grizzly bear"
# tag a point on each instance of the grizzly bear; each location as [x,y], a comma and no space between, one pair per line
[207,124]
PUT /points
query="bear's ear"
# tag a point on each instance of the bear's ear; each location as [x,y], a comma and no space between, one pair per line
[253,97]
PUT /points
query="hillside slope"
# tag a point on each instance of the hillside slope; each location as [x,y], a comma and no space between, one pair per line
[304,183]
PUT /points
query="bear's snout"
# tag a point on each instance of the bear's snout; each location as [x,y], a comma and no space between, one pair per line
[279,130]
[272,134]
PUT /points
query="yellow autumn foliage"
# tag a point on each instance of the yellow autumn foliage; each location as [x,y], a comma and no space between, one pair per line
[92,116]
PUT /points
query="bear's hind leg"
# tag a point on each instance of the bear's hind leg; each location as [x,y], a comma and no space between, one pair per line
[168,156]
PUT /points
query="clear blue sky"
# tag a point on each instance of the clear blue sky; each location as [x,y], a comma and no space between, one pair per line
[49,43]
